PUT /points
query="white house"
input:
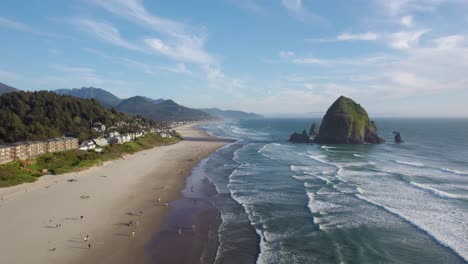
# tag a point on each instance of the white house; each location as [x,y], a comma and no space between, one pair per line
[87,145]
[102,142]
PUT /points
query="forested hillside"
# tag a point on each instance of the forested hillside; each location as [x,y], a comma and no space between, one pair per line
[41,115]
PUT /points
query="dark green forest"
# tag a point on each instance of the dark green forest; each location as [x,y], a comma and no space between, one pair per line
[41,115]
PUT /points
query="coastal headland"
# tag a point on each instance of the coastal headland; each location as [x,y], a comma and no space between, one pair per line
[108,214]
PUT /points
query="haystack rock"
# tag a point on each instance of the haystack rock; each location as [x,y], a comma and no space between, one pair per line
[346,122]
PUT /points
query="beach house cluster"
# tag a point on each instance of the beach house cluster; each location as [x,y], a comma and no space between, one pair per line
[27,149]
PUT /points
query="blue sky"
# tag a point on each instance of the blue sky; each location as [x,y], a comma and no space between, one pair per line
[395,57]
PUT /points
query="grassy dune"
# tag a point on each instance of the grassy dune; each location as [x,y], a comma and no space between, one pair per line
[75,160]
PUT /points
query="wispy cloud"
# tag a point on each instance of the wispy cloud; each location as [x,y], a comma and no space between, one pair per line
[348,36]
[369,36]
[19,26]
[181,42]
[8,23]
[103,31]
[190,50]
[397,7]
[299,11]
[406,39]
[249,5]
[406,21]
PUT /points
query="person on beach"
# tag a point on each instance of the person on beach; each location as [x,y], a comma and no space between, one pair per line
[85,239]
[89,246]
[141,213]
[159,200]
[132,234]
[180,230]
[81,217]
[167,204]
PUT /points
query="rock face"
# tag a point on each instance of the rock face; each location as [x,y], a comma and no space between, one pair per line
[398,138]
[313,130]
[346,122]
[300,138]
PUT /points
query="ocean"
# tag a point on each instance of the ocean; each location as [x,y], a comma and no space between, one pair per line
[310,203]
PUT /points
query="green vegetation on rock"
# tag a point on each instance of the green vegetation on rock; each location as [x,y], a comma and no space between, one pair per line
[347,122]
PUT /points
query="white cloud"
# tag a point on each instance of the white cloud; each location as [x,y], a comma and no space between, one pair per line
[406,39]
[397,7]
[346,36]
[406,21]
[15,25]
[369,36]
[182,43]
[103,31]
[298,10]
[307,60]
[286,54]
[178,68]
[190,50]
[450,42]
[8,23]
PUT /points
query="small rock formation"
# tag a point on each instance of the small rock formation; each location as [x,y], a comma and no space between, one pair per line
[300,138]
[397,137]
[346,122]
[313,130]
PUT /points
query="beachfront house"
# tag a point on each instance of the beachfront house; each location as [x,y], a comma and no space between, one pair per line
[101,142]
[99,127]
[87,145]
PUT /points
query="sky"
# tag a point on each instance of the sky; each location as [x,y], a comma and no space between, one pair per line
[290,57]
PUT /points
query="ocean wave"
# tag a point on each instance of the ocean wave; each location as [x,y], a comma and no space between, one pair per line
[357,155]
[438,192]
[328,147]
[451,244]
[455,171]
[409,163]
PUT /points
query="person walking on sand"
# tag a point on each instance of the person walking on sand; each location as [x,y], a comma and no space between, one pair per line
[89,246]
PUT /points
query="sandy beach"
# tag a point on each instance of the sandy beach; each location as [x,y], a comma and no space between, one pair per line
[41,221]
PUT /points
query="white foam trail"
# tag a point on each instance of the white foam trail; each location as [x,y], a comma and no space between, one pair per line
[438,192]
[455,171]
[359,156]
[327,147]
[414,164]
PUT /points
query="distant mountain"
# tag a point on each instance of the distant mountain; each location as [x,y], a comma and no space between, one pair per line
[7,89]
[154,101]
[230,114]
[104,97]
[167,110]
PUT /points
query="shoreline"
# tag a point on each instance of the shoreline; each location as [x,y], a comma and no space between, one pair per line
[104,195]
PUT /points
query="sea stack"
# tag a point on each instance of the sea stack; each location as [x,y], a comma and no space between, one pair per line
[313,130]
[300,138]
[346,122]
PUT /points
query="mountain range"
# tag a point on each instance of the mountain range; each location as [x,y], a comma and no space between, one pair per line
[6,89]
[230,114]
[156,109]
